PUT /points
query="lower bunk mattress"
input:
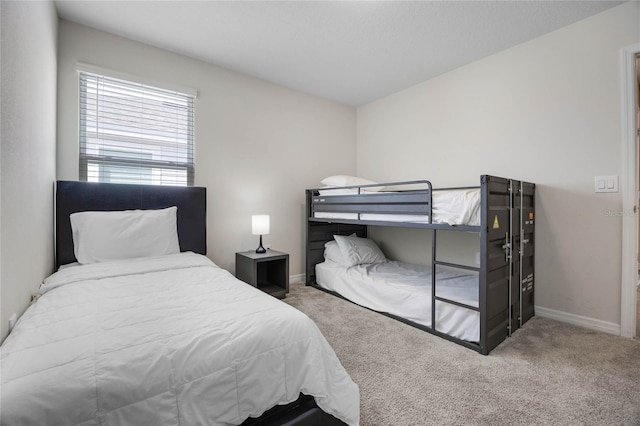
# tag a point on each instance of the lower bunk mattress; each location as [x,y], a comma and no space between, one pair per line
[404,290]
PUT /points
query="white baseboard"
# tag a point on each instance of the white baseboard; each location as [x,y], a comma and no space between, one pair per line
[299,278]
[586,322]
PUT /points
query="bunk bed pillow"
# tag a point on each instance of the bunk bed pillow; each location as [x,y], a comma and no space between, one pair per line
[345,180]
[359,251]
[333,253]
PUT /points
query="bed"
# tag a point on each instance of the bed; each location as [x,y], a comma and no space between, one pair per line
[499,290]
[163,339]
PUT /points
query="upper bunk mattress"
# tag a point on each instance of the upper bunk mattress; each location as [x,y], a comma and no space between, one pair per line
[450,206]
[404,290]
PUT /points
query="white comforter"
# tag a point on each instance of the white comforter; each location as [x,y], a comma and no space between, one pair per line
[404,290]
[163,341]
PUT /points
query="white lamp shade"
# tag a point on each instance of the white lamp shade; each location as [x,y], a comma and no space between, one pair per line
[260,224]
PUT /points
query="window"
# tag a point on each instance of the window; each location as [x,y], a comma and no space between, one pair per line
[134,133]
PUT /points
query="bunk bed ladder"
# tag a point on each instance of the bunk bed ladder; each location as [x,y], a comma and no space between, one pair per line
[434,260]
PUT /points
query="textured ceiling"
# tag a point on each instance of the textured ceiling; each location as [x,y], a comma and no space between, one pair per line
[352,52]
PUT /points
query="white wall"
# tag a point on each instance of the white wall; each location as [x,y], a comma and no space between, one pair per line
[258,145]
[547,111]
[28,100]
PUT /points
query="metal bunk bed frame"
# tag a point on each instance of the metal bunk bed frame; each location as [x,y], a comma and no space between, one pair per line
[506,270]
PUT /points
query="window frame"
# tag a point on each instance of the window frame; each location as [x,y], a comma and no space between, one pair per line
[151,167]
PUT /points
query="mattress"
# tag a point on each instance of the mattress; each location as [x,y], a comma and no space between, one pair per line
[404,290]
[452,207]
[163,341]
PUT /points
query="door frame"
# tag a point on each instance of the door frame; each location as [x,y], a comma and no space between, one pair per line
[629,98]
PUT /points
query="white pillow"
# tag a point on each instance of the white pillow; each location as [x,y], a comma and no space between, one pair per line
[359,251]
[345,180]
[104,236]
[333,253]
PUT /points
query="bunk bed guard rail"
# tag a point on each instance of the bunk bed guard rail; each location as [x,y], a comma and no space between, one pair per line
[402,202]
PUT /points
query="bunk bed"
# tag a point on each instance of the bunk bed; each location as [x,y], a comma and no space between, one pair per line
[500,210]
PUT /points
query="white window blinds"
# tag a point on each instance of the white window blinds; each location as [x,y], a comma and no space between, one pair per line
[134,133]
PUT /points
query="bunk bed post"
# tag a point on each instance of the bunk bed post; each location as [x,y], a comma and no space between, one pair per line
[319,233]
[521,255]
[484,246]
[527,250]
[309,272]
[493,295]
[523,242]
[515,288]
[510,244]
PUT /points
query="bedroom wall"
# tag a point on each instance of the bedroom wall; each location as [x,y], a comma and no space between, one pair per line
[258,145]
[547,111]
[28,39]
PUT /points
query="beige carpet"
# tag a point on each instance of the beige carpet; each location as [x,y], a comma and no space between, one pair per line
[547,373]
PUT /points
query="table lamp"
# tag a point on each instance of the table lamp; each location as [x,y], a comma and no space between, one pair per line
[260,226]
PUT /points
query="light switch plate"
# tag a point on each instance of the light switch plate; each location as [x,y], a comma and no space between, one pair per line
[606,183]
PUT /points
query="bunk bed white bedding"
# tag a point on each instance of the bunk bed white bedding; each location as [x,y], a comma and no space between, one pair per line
[164,340]
[453,207]
[404,290]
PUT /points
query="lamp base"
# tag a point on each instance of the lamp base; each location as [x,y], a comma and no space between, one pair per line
[261,249]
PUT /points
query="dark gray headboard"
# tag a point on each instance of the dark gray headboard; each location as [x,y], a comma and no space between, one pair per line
[74,197]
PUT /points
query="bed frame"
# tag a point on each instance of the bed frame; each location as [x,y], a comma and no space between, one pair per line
[506,271]
[74,197]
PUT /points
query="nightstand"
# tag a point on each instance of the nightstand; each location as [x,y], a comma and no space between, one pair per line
[268,271]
